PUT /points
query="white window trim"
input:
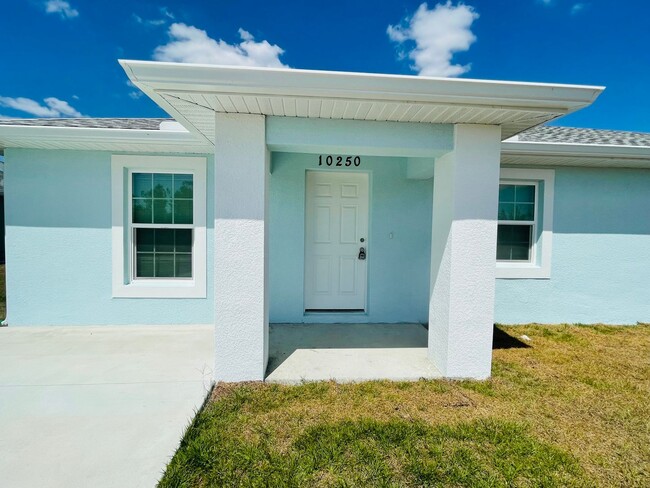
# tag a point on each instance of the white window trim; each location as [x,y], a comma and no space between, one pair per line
[539,266]
[124,286]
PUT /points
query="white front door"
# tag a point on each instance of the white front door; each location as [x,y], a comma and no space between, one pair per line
[336,230]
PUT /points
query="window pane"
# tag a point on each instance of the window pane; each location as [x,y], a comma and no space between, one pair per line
[514,242]
[506,193]
[163,253]
[506,211]
[164,265]
[524,194]
[144,265]
[162,185]
[183,211]
[164,240]
[162,211]
[184,240]
[516,202]
[525,211]
[144,239]
[183,186]
[172,198]
[142,210]
[142,185]
[183,265]
[519,252]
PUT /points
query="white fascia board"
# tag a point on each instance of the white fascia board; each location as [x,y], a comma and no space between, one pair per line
[166,106]
[515,148]
[21,135]
[161,76]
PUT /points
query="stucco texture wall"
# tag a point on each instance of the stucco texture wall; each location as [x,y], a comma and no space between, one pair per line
[58,210]
[398,268]
[600,268]
[58,236]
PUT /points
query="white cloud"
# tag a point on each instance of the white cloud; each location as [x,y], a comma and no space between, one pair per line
[62,107]
[438,34]
[191,45]
[61,7]
[165,11]
[149,22]
[135,94]
[53,107]
[577,8]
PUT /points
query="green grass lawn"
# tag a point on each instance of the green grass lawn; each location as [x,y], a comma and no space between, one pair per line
[570,410]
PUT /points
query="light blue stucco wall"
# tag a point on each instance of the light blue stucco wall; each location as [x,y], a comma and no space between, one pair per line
[370,138]
[398,268]
[58,216]
[600,266]
[58,210]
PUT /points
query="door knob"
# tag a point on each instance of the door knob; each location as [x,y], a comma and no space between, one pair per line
[362,253]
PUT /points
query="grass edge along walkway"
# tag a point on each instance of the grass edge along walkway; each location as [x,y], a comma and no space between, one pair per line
[570,409]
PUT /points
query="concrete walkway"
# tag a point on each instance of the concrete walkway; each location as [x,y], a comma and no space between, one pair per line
[348,352]
[97,406]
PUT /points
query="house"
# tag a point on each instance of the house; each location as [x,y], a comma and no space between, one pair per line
[292,196]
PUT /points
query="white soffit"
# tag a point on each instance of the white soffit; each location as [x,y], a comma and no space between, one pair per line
[191,93]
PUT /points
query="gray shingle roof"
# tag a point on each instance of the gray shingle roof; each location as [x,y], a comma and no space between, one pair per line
[571,135]
[544,133]
[108,123]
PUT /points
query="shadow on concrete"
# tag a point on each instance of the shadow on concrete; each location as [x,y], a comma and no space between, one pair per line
[503,340]
[286,339]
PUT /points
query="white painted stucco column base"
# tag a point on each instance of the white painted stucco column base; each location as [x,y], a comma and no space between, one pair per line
[241,248]
[463,253]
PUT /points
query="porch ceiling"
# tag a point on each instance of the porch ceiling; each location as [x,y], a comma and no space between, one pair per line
[193,93]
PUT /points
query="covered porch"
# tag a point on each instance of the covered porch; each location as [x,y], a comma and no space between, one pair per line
[445,131]
[348,353]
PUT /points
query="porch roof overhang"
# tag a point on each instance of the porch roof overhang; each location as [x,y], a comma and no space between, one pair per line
[192,93]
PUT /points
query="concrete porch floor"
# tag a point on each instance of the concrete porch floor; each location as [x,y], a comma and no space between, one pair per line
[348,353]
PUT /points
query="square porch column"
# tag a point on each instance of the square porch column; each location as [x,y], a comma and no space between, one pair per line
[463,253]
[241,248]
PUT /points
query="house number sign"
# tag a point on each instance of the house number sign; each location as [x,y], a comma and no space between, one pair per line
[329,160]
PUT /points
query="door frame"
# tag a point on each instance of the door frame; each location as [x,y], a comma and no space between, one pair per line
[331,313]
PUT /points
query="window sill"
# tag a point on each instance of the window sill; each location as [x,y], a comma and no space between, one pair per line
[160,289]
[522,271]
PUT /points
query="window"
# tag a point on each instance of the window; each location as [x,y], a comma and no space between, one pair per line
[517,211]
[525,223]
[162,224]
[159,234]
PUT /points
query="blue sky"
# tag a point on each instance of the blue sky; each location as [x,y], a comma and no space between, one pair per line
[59,57]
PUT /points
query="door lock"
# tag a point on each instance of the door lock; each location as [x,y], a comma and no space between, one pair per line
[362,253]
